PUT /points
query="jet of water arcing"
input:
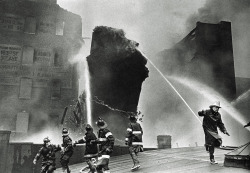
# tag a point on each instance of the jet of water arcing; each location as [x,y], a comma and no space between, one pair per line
[171,86]
[212,95]
[241,97]
[88,93]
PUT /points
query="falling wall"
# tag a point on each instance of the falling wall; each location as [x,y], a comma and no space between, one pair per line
[117,71]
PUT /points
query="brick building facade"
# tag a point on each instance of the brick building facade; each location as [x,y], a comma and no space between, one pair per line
[37,39]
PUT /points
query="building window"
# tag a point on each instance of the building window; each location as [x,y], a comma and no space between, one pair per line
[56,60]
[28,55]
[30,25]
[43,56]
[58,57]
[12,22]
[25,88]
[59,27]
[10,54]
[22,122]
[56,89]
[47,25]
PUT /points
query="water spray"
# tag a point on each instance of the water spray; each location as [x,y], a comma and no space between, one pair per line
[184,101]
[241,97]
[88,93]
[211,95]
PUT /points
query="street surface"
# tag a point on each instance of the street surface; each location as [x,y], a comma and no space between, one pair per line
[177,160]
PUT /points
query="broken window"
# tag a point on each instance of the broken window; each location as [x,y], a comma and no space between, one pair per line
[56,89]
[28,55]
[30,25]
[25,88]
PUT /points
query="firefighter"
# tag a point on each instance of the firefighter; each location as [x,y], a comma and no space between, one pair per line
[211,121]
[106,141]
[134,140]
[91,151]
[67,150]
[48,153]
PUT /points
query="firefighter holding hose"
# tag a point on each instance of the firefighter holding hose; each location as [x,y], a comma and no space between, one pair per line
[211,121]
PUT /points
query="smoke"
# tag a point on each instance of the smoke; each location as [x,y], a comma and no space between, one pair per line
[166,114]
[154,25]
[157,25]
[172,117]
[238,13]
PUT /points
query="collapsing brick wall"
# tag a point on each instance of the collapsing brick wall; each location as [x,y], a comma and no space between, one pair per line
[117,70]
[206,55]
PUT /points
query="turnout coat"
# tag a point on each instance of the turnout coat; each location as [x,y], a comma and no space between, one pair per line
[211,121]
[48,155]
[91,147]
[134,134]
[106,141]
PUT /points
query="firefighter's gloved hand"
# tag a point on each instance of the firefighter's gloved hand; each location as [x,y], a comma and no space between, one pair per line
[96,141]
[34,161]
[62,149]
[108,150]
[227,133]
[93,141]
[200,113]
[126,141]
[99,154]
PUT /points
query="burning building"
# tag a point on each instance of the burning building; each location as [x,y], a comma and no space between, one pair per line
[37,39]
[117,70]
[206,54]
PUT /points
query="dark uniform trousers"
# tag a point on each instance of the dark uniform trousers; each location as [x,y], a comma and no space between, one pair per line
[66,155]
[212,121]
[106,141]
[134,140]
[48,154]
[91,150]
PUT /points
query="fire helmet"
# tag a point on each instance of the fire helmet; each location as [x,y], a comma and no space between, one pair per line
[101,123]
[88,127]
[46,140]
[132,117]
[65,132]
[215,104]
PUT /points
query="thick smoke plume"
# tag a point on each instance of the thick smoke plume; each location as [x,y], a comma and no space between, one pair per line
[159,25]
[236,12]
